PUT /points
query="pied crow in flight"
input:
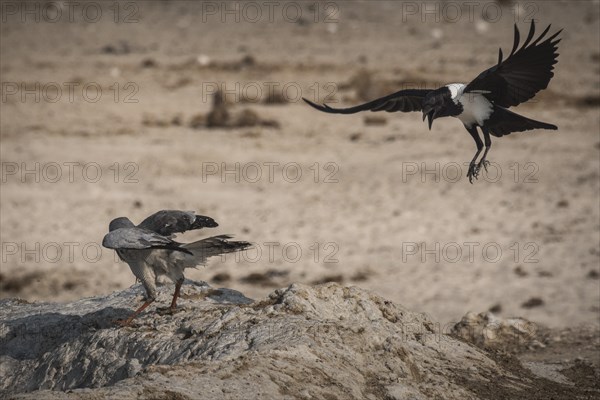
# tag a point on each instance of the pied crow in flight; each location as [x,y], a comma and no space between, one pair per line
[483,102]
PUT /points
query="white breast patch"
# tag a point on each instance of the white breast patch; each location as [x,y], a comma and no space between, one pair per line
[476,109]
[456,90]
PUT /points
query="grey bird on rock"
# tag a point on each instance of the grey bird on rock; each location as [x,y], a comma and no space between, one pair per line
[151,252]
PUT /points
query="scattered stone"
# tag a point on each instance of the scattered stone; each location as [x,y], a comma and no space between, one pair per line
[302,21]
[117,49]
[177,120]
[593,274]
[148,63]
[375,120]
[246,117]
[218,115]
[70,285]
[221,277]
[485,330]
[591,101]
[361,276]
[270,123]
[154,121]
[520,272]
[17,282]
[203,60]
[257,278]
[330,278]
[355,137]
[222,116]
[247,61]
[562,204]
[265,279]
[533,302]
[275,97]
[496,308]
[198,121]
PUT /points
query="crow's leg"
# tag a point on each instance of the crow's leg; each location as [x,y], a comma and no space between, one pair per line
[473,169]
[488,144]
[126,322]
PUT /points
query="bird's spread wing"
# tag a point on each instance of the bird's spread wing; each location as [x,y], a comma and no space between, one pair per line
[404,101]
[526,71]
[202,250]
[169,222]
[139,239]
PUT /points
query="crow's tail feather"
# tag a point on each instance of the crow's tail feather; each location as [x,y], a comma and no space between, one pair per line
[504,122]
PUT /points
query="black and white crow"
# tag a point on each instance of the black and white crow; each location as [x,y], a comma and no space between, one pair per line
[483,102]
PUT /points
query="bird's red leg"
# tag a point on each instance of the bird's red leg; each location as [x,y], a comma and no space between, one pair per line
[127,321]
[176,295]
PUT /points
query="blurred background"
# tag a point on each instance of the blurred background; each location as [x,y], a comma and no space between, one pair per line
[125,108]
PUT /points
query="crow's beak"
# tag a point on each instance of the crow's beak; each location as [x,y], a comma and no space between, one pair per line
[430,114]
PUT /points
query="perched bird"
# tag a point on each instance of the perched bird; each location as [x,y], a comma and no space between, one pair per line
[151,252]
[483,102]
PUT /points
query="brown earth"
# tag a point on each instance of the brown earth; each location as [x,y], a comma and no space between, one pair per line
[365,210]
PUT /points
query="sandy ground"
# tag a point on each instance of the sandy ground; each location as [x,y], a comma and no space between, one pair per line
[378,204]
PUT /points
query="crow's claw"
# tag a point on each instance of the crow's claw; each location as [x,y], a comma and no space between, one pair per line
[473,172]
[483,163]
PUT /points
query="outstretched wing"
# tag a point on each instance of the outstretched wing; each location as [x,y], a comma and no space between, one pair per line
[139,239]
[404,101]
[169,222]
[526,71]
[202,250]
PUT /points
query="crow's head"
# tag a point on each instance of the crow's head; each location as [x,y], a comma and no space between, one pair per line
[438,103]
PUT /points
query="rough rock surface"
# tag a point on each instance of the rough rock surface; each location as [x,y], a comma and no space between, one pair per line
[490,332]
[322,342]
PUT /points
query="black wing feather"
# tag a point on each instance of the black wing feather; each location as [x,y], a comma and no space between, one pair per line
[169,222]
[403,101]
[526,71]
[517,40]
[530,36]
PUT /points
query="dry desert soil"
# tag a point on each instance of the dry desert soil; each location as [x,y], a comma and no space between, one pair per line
[102,119]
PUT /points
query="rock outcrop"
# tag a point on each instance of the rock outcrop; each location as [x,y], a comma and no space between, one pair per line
[322,342]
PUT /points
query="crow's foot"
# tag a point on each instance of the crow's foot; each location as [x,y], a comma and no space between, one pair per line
[483,163]
[473,171]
